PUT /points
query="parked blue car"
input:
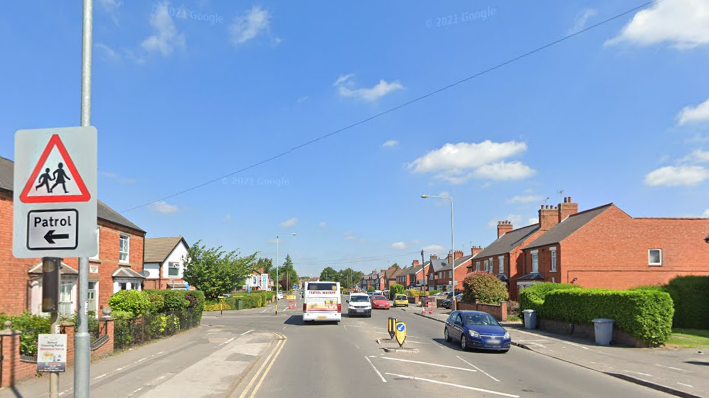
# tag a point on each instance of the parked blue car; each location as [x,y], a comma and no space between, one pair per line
[476,329]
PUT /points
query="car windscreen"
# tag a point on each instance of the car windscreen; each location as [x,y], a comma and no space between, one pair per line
[401,297]
[322,286]
[359,299]
[380,298]
[480,319]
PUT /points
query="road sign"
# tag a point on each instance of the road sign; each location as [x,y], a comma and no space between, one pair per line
[55,193]
[400,333]
[391,327]
[51,353]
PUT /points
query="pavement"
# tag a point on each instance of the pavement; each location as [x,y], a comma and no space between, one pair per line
[679,372]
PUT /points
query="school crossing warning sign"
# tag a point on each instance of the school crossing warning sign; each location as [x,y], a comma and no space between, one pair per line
[54,188]
[55,177]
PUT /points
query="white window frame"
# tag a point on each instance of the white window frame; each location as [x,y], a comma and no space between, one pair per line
[450,274]
[477,265]
[98,244]
[552,252]
[649,258]
[170,266]
[121,238]
[501,265]
[485,266]
[535,261]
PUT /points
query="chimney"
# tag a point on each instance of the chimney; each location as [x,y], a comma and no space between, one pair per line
[548,217]
[567,208]
[458,254]
[475,250]
[434,256]
[503,227]
[415,263]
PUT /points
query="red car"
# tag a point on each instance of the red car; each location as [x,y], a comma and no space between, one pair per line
[380,302]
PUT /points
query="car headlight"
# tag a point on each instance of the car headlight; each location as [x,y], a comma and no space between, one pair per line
[473,333]
[506,336]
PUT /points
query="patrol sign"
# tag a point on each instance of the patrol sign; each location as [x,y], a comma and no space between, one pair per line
[55,193]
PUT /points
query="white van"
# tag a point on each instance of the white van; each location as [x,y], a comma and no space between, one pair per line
[322,302]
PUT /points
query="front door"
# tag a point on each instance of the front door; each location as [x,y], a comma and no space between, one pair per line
[93,294]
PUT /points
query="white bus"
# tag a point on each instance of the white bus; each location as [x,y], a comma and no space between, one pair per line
[322,302]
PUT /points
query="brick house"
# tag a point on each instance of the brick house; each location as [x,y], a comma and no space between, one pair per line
[164,263]
[458,269]
[415,276]
[432,272]
[393,276]
[604,247]
[115,267]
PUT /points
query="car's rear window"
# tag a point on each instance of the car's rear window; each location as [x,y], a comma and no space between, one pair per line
[380,298]
[401,297]
[359,299]
[322,286]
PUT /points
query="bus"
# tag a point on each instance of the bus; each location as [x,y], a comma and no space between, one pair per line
[322,302]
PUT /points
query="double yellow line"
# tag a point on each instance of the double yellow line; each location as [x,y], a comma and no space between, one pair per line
[269,361]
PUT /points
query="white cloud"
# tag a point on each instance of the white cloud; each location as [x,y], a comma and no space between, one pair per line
[706,213]
[289,223]
[342,79]
[684,24]
[694,114]
[697,156]
[302,99]
[115,176]
[165,36]
[322,224]
[111,8]
[390,143]
[581,19]
[435,249]
[247,27]
[526,199]
[370,94]
[164,207]
[532,220]
[398,245]
[227,218]
[108,51]
[672,176]
[457,163]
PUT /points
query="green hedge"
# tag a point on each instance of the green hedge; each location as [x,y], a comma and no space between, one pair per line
[691,301]
[644,314]
[532,298]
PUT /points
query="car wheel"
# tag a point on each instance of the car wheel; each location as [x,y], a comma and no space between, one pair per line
[463,343]
[446,336]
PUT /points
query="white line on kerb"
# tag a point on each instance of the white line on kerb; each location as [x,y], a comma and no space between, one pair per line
[429,364]
[480,370]
[375,369]
[638,373]
[100,376]
[247,332]
[686,385]
[453,385]
[670,367]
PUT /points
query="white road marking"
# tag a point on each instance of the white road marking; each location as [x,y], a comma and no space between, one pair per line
[686,385]
[358,347]
[344,326]
[454,385]
[264,310]
[141,360]
[226,342]
[376,370]
[247,332]
[638,373]
[429,364]
[537,344]
[101,376]
[480,370]
[670,367]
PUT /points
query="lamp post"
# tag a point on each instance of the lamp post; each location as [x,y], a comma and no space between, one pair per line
[277,241]
[454,304]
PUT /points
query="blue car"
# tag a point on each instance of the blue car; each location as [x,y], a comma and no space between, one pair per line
[476,329]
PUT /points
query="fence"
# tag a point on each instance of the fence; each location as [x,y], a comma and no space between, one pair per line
[136,331]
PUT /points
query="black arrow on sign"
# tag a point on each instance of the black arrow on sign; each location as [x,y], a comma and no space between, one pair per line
[49,236]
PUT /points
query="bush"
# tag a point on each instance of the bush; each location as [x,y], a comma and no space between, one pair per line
[413,293]
[157,302]
[133,301]
[371,289]
[483,287]
[395,289]
[644,314]
[690,295]
[31,326]
[532,298]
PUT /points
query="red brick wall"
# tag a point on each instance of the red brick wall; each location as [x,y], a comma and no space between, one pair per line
[498,311]
[109,248]
[611,251]
[13,271]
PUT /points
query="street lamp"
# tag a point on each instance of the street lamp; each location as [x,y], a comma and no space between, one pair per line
[277,240]
[453,300]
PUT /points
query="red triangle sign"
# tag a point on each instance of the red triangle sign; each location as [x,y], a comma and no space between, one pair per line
[55,178]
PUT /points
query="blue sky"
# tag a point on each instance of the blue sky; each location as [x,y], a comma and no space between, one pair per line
[188,92]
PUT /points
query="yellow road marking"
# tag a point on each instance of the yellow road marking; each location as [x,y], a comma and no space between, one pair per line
[253,379]
[269,367]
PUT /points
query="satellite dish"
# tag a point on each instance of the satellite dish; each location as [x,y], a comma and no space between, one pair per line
[144,273]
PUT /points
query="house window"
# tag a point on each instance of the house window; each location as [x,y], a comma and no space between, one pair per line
[123,250]
[654,256]
[97,245]
[430,277]
[485,266]
[535,261]
[477,265]
[552,250]
[173,269]
[501,261]
[124,286]
[450,274]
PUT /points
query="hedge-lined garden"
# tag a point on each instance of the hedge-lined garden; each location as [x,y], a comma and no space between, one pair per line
[251,300]
[643,314]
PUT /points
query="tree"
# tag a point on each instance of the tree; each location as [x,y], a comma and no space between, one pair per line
[370,289]
[329,274]
[483,287]
[395,289]
[286,274]
[215,271]
[265,263]
[395,266]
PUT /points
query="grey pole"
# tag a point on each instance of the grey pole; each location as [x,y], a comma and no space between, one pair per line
[82,352]
[276,275]
[455,302]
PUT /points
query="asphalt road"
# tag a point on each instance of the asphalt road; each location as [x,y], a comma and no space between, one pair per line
[256,354]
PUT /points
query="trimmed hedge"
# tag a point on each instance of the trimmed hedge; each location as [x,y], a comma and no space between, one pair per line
[532,298]
[691,301]
[644,314]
